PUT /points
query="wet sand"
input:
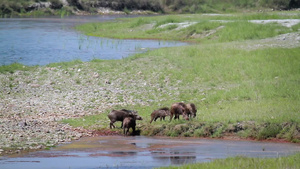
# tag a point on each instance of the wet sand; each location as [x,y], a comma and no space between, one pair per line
[142,152]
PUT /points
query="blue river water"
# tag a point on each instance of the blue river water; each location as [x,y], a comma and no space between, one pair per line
[40,41]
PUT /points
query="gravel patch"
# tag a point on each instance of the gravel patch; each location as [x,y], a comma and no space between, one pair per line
[180,25]
[284,22]
[33,103]
[288,40]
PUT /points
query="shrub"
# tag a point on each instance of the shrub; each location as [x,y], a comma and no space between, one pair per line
[269,131]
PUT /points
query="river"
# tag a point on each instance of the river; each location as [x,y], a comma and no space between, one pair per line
[142,152]
[40,41]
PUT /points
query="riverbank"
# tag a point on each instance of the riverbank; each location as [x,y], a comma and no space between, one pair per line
[245,88]
[226,75]
[12,8]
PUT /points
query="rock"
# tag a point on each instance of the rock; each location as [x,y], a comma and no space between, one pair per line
[34,85]
[96,75]
[38,5]
[64,2]
[39,147]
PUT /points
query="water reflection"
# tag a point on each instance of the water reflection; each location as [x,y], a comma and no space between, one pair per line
[174,157]
[123,153]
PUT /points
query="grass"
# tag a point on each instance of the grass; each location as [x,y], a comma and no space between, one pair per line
[259,88]
[15,67]
[236,27]
[228,86]
[292,161]
[92,122]
[65,65]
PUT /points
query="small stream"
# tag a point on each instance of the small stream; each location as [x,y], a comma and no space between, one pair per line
[142,152]
[40,41]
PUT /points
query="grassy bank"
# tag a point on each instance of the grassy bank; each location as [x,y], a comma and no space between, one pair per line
[250,93]
[193,28]
[245,163]
[239,91]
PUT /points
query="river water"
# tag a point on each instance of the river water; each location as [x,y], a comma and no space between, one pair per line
[142,153]
[40,41]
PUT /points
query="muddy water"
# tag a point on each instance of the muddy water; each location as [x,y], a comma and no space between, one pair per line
[141,152]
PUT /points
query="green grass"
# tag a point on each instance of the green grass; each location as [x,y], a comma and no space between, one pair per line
[228,86]
[65,65]
[91,122]
[207,30]
[15,67]
[292,161]
[243,30]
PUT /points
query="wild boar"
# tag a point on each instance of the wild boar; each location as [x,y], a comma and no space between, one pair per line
[160,113]
[178,109]
[119,115]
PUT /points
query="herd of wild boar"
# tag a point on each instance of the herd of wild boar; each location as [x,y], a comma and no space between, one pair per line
[129,117]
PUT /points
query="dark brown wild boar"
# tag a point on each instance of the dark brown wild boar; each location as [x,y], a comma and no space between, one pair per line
[119,115]
[160,113]
[178,109]
[192,110]
[129,122]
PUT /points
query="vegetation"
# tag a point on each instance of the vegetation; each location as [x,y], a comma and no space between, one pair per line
[57,7]
[203,28]
[249,93]
[292,161]
[15,67]
[10,8]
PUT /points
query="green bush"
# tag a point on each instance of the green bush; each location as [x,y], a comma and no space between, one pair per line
[269,131]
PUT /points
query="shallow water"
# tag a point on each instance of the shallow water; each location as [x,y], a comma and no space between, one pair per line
[40,41]
[142,152]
